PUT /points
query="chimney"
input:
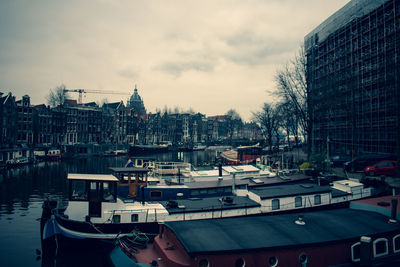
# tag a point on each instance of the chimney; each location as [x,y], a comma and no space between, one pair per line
[233,183]
[300,220]
[393,216]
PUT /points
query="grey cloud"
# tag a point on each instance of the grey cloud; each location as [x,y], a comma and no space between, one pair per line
[177,68]
[129,73]
[253,49]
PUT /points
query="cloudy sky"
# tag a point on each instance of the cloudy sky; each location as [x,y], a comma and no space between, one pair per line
[208,55]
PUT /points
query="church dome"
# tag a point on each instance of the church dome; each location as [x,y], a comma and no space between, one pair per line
[136,103]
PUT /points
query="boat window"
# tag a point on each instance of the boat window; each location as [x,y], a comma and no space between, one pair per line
[298,202]
[94,193]
[228,189]
[204,263]
[273,261]
[116,219]
[380,247]
[124,179]
[194,192]
[134,217]
[220,189]
[108,192]
[396,243]
[355,252]
[240,263]
[155,194]
[303,258]
[212,190]
[275,204]
[78,191]
[317,199]
[203,191]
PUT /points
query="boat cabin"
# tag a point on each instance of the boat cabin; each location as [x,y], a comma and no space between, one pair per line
[131,180]
[144,162]
[54,154]
[136,184]
[94,189]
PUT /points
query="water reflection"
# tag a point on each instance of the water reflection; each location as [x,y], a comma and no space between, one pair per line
[23,190]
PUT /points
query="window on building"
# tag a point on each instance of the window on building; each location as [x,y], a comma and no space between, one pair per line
[317,199]
[380,247]
[275,204]
[355,252]
[298,202]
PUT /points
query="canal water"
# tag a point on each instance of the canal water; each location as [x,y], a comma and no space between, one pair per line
[23,190]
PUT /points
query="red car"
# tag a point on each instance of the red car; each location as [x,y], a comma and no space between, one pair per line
[385,167]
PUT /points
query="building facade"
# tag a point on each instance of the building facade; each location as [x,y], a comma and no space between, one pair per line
[25,121]
[79,128]
[353,79]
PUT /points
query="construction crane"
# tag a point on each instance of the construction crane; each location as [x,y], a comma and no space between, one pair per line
[84,91]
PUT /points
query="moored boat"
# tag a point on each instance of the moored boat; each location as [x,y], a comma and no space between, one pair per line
[340,237]
[135,150]
[242,155]
[103,207]
[54,155]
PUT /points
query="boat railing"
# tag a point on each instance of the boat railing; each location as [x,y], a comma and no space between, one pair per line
[152,214]
[170,169]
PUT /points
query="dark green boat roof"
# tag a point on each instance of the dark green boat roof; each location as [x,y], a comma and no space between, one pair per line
[267,232]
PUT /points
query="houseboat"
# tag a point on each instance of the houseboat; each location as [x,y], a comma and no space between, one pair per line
[241,155]
[54,154]
[104,206]
[338,237]
[136,150]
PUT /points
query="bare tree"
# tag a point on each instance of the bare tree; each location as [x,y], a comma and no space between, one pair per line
[268,120]
[292,87]
[288,119]
[56,97]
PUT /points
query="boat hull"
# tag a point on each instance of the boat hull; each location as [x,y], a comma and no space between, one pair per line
[146,150]
[87,230]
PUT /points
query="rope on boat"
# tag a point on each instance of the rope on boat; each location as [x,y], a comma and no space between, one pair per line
[95,228]
[137,239]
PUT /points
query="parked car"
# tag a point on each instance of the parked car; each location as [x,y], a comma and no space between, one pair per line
[385,167]
[339,160]
[359,163]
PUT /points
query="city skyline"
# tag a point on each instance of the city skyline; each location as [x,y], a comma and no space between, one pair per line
[208,56]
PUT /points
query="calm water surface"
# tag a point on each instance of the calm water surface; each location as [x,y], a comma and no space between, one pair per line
[23,190]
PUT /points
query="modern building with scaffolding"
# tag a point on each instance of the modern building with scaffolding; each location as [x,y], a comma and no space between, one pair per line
[353,79]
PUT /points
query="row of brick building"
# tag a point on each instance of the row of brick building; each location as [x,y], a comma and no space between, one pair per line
[27,125]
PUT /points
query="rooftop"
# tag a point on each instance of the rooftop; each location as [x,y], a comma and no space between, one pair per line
[289,190]
[266,232]
[92,177]
[209,204]
[351,11]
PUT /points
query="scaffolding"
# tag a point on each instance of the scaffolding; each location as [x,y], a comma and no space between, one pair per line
[352,71]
